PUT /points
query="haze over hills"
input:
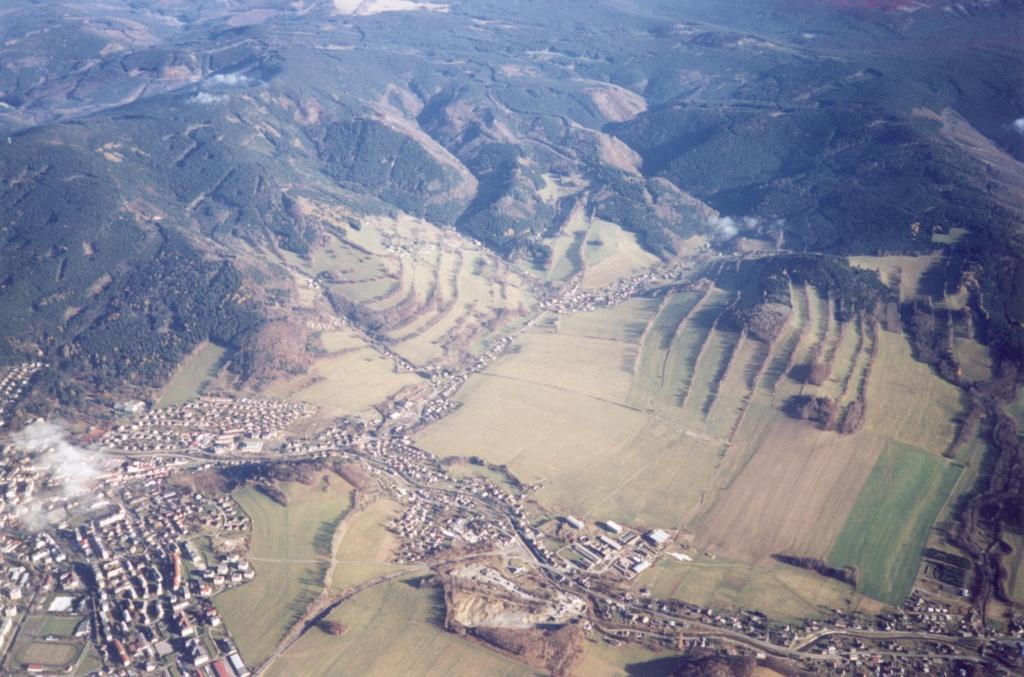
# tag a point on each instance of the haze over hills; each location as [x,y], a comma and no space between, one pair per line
[717,247]
[211,122]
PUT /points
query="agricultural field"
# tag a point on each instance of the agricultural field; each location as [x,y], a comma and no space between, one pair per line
[347,382]
[366,546]
[907,482]
[289,549]
[927,404]
[603,660]
[783,593]
[1015,564]
[658,412]
[395,628]
[433,289]
[596,455]
[192,374]
[909,271]
[610,253]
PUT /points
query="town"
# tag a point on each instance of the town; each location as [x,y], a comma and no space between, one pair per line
[123,574]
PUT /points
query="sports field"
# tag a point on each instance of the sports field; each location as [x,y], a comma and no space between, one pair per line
[890,522]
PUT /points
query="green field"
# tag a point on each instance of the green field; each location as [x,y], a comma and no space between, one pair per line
[288,550]
[192,374]
[890,521]
[394,629]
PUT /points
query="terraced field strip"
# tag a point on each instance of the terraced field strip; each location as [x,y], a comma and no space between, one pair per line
[857,378]
[736,386]
[811,334]
[786,342]
[444,301]
[654,349]
[730,342]
[684,355]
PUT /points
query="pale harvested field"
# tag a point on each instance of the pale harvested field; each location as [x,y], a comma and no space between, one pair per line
[342,339]
[595,458]
[603,660]
[394,629]
[367,546]
[599,368]
[926,403]
[795,493]
[348,383]
[611,253]
[909,269]
[624,322]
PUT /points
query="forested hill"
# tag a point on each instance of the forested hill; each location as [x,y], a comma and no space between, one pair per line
[157,154]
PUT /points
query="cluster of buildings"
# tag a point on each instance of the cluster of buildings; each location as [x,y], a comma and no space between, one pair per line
[217,425]
[619,551]
[113,550]
[13,382]
[150,587]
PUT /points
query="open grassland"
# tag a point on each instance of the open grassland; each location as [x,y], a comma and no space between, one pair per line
[599,368]
[926,403]
[289,548]
[395,628]
[975,358]
[366,546]
[603,660]
[907,483]
[610,253]
[909,271]
[346,383]
[781,592]
[192,374]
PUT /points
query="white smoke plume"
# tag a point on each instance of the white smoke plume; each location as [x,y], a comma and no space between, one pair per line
[723,227]
[727,227]
[207,99]
[229,80]
[1018,125]
[76,467]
